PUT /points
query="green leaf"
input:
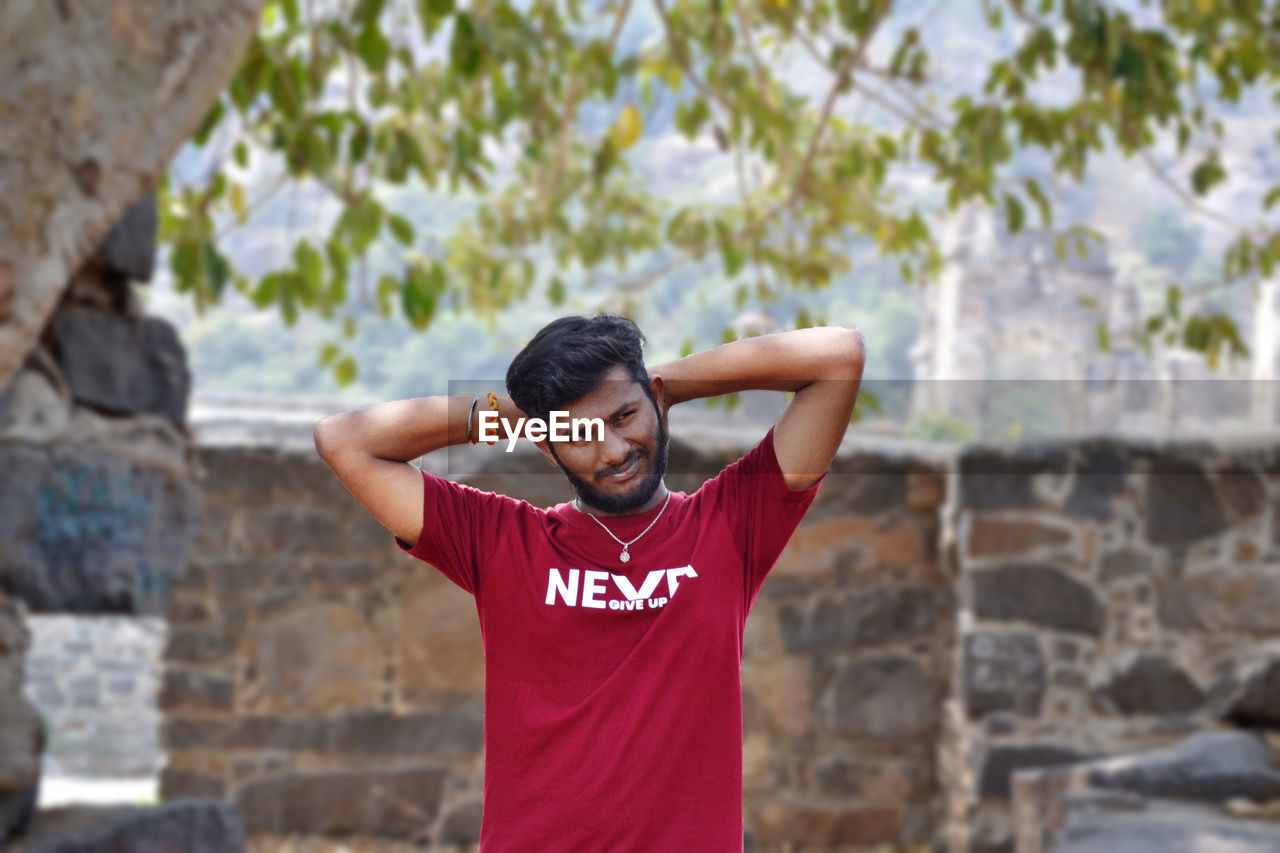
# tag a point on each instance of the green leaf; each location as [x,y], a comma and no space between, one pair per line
[400,229]
[373,48]
[1273,195]
[345,371]
[466,53]
[310,266]
[556,292]
[328,353]
[1103,337]
[1014,210]
[1207,174]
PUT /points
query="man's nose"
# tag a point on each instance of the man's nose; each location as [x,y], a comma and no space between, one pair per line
[614,451]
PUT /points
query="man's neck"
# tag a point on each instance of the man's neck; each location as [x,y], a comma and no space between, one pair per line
[659,495]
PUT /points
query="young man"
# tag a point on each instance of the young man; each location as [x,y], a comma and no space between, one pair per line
[612,624]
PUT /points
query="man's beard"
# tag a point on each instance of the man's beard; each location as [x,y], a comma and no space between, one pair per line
[593,497]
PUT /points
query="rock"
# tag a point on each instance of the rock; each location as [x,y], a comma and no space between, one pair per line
[1159,827]
[36,404]
[209,826]
[461,824]
[400,803]
[22,731]
[122,366]
[129,249]
[883,614]
[1181,506]
[1249,694]
[1040,595]
[1207,766]
[989,480]
[993,537]
[1104,473]
[1149,684]
[889,697]
[1001,762]
[293,674]
[1003,672]
[1237,598]
[1125,563]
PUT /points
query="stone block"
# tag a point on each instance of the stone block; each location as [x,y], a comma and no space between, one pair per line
[1181,505]
[209,826]
[889,698]
[1003,672]
[178,784]
[120,365]
[993,537]
[129,249]
[1210,767]
[1248,694]
[782,693]
[1001,762]
[871,779]
[831,623]
[400,803]
[199,644]
[1229,599]
[1243,490]
[991,480]
[1148,684]
[291,528]
[1101,825]
[100,533]
[1103,474]
[313,656]
[791,820]
[461,823]
[440,647]
[1037,594]
[188,690]
[447,733]
[1124,564]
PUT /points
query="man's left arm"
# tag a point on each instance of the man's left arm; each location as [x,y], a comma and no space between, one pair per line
[822,366]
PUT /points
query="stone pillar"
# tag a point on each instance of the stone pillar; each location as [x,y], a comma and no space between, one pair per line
[22,734]
[99,506]
[1263,369]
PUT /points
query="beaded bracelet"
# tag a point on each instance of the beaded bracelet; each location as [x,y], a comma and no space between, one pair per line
[493,404]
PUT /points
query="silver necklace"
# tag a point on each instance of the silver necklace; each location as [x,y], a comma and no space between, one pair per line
[624,556]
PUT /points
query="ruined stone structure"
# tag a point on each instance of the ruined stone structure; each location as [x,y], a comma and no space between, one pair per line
[1010,333]
[940,621]
[98,505]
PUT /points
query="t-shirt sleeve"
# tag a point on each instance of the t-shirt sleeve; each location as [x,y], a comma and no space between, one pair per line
[454,519]
[762,510]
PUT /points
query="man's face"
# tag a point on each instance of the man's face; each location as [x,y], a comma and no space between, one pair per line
[622,472]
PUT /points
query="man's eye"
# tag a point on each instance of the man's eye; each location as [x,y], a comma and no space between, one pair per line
[627,414]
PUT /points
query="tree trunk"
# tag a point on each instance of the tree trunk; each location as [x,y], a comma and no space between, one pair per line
[96,96]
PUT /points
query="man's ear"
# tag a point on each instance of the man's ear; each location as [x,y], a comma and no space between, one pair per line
[656,387]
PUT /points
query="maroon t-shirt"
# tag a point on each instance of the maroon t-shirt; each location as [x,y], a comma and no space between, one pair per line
[613,691]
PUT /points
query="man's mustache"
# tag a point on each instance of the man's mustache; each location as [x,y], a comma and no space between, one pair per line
[631,457]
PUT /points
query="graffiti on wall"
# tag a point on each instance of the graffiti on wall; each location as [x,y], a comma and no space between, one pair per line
[91,538]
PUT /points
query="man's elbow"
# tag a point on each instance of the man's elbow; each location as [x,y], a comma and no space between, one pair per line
[852,353]
[324,437]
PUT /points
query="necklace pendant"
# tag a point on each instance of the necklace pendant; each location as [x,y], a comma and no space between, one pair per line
[624,556]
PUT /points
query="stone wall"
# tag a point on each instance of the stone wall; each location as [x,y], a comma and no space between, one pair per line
[1105,590]
[330,685]
[95,680]
[938,622]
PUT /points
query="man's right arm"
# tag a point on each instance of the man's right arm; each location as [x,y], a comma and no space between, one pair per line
[370,451]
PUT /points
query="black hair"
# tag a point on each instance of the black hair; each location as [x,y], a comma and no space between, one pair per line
[569,357]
